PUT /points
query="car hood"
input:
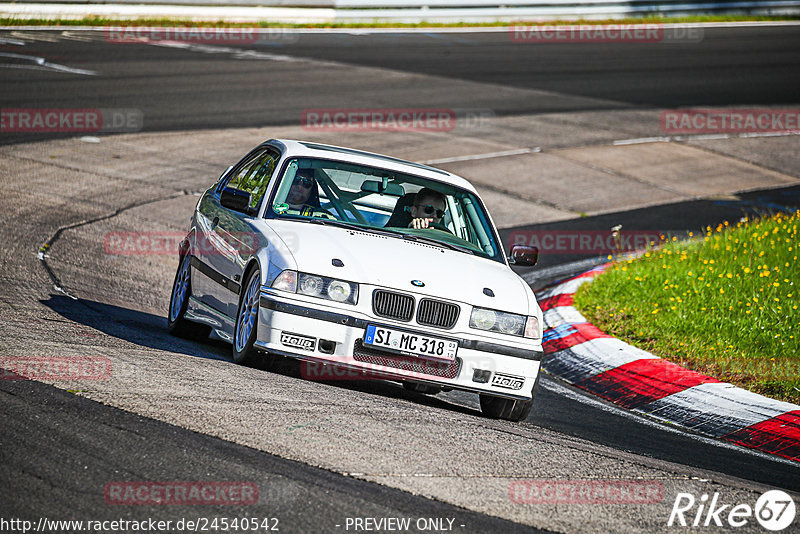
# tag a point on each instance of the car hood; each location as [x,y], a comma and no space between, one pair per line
[393,262]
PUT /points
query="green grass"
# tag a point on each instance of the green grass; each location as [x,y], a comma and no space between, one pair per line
[172,22]
[724,304]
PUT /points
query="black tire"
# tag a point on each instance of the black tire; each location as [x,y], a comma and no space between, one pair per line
[244,353]
[509,409]
[177,322]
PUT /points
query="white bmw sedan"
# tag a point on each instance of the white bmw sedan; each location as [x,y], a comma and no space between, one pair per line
[344,258]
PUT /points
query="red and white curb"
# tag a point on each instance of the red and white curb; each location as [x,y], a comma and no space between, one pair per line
[579,353]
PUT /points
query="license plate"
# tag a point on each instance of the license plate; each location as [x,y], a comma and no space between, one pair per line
[410,344]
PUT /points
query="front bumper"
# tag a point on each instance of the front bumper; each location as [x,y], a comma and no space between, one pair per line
[317,333]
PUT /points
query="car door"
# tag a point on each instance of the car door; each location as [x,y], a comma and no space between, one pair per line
[226,238]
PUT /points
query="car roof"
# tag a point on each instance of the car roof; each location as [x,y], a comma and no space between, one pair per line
[319,150]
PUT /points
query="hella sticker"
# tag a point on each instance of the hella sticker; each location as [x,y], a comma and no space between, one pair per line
[296,340]
[507,381]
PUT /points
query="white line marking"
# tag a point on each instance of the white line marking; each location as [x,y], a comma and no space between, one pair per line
[641,140]
[701,137]
[501,154]
[75,36]
[40,63]
[770,134]
[35,37]
[37,67]
[238,53]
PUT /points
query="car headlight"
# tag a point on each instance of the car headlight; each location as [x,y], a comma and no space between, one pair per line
[339,291]
[483,319]
[316,286]
[511,324]
[503,322]
[497,321]
[311,285]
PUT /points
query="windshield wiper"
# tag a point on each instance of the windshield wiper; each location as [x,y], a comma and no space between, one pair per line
[393,233]
[431,241]
[351,226]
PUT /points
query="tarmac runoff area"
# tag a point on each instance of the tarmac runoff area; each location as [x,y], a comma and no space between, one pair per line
[73,192]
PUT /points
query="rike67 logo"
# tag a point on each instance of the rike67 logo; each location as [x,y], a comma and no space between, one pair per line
[774,510]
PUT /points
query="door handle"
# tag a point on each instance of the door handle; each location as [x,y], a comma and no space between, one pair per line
[214,223]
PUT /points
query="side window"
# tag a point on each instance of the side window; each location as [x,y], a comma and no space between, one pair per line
[253,177]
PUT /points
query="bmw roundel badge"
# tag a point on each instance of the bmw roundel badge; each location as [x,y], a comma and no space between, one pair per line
[418,283]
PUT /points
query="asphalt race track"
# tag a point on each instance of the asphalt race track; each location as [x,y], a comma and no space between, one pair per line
[179,91]
[322,454]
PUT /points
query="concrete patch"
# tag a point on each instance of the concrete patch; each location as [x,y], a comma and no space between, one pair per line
[680,169]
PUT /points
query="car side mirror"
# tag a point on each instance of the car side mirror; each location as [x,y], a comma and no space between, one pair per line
[524,255]
[236,199]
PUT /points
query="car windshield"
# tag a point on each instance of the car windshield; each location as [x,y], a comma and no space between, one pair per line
[375,199]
